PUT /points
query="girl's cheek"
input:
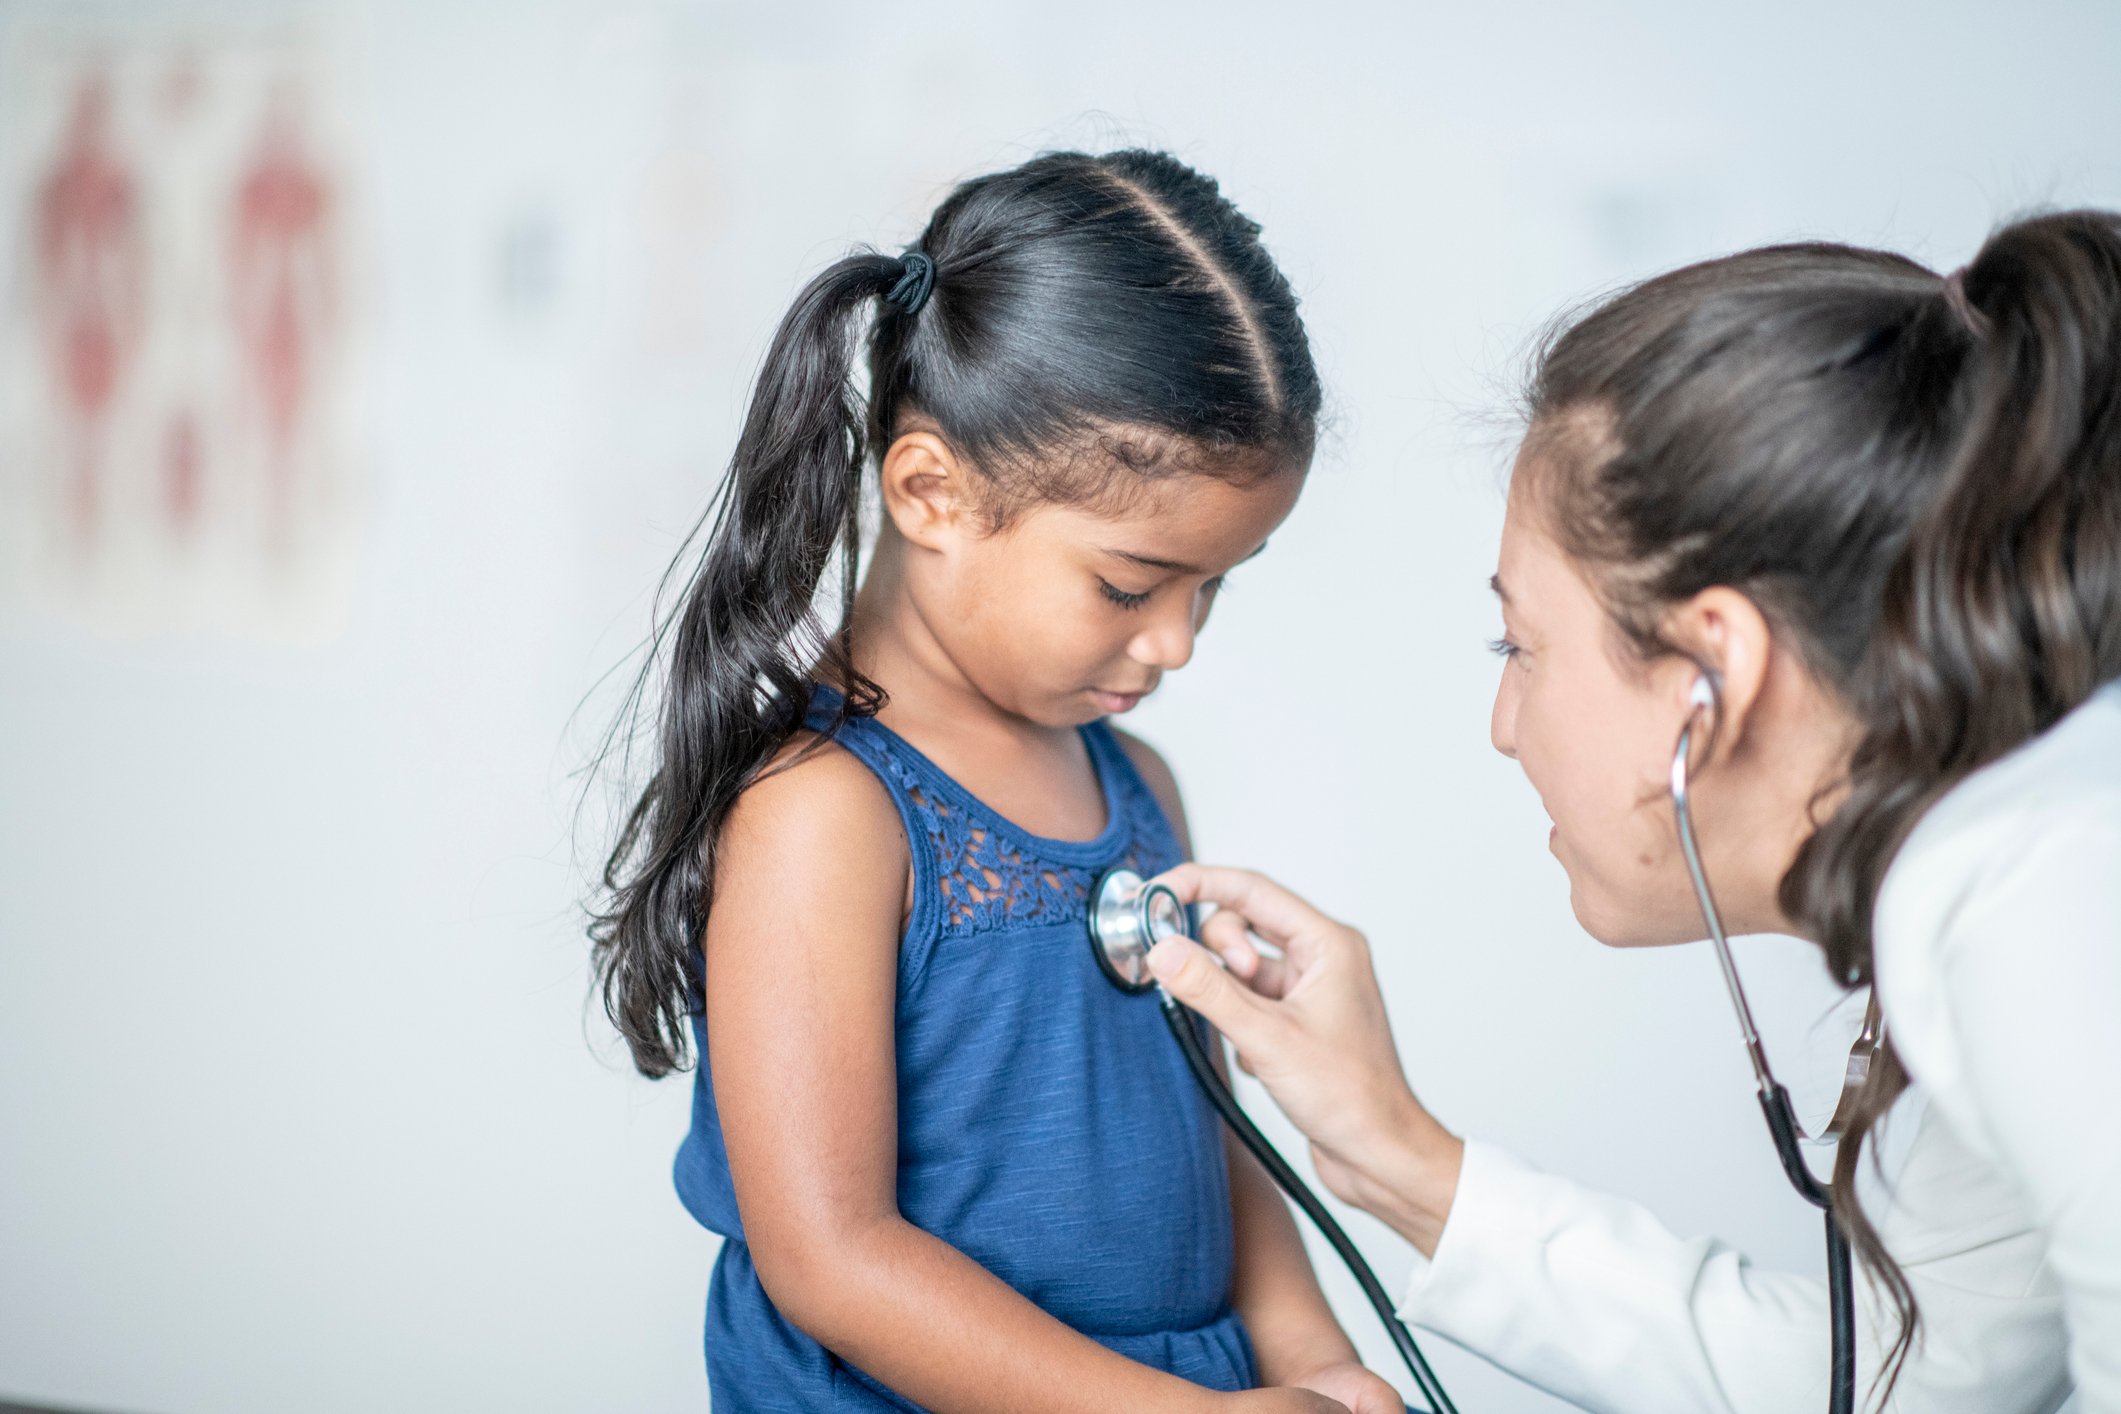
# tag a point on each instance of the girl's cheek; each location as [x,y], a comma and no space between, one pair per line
[1069,644]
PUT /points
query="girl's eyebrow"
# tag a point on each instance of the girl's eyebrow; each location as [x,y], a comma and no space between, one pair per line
[1151,562]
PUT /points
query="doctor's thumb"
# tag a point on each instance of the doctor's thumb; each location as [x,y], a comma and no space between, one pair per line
[1189,972]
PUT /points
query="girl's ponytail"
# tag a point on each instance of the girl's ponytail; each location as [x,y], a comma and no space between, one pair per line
[744,646]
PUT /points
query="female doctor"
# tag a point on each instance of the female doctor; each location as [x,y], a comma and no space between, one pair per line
[1879,513]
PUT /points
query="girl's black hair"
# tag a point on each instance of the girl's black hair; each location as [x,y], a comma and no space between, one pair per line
[1917,479]
[1092,320]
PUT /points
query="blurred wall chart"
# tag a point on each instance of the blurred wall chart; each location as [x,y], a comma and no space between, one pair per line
[177,440]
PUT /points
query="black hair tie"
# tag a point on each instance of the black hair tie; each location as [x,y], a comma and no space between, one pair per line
[913,287]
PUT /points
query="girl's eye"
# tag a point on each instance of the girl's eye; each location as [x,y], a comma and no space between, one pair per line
[1120,596]
[1502,648]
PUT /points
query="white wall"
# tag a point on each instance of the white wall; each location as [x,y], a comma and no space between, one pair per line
[296,1106]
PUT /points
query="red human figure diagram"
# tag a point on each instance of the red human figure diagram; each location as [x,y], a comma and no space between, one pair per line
[280,274]
[90,268]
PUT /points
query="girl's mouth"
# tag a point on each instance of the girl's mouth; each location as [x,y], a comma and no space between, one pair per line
[1116,702]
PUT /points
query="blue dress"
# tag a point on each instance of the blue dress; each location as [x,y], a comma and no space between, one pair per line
[1047,1125]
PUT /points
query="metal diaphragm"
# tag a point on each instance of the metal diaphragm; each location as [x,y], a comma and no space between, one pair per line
[1128,917]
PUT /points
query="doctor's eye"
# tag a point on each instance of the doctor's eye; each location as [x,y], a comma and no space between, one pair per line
[1502,648]
[1120,596]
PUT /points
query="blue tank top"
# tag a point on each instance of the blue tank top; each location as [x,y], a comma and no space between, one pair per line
[1047,1124]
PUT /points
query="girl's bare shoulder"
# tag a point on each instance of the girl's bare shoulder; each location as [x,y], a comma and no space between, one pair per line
[1156,774]
[816,829]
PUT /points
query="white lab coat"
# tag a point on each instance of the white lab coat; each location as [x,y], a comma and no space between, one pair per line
[1999,963]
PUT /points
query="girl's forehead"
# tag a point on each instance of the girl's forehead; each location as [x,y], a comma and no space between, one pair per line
[1200,515]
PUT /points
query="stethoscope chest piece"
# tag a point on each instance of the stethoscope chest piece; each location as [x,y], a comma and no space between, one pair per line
[1128,917]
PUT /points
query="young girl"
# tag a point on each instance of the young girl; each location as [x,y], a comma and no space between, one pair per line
[955,1167]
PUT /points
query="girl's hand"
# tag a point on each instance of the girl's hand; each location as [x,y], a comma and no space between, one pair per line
[1311,1025]
[1352,1385]
[1285,1401]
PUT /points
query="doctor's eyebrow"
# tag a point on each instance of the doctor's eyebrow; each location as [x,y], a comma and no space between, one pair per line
[1151,562]
[1495,583]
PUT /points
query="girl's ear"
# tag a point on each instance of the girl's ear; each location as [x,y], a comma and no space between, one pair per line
[1723,630]
[929,490]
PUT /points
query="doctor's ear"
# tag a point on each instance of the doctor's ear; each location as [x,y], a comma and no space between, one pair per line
[1720,671]
[931,493]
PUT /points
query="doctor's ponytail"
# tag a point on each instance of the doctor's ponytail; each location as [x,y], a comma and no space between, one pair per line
[1917,479]
[1071,327]
[2003,611]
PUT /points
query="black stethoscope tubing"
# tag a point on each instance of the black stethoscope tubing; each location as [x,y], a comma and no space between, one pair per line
[1840,1283]
[1122,930]
[1180,1020]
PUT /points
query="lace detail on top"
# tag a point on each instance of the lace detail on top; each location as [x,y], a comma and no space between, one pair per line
[993,875]
[987,882]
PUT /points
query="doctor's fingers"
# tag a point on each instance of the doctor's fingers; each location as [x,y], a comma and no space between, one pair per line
[1276,914]
[1228,934]
[1188,972]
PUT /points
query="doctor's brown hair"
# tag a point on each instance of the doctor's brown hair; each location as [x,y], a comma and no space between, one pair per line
[1918,481]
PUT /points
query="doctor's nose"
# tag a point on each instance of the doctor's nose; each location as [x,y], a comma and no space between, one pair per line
[1502,720]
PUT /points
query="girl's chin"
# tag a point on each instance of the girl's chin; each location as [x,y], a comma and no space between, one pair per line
[1068,710]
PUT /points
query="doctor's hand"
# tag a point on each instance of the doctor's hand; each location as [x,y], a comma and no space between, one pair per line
[1311,1025]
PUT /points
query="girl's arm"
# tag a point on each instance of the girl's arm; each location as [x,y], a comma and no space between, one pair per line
[1275,1289]
[801,957]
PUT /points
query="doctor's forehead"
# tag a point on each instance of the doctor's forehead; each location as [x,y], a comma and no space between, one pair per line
[1528,559]
[1511,580]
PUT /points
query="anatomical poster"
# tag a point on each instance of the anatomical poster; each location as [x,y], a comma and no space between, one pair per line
[178,373]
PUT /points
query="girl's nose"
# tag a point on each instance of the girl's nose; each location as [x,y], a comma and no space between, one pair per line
[1167,644]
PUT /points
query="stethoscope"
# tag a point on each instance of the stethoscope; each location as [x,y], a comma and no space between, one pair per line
[1774,1100]
[1129,916]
